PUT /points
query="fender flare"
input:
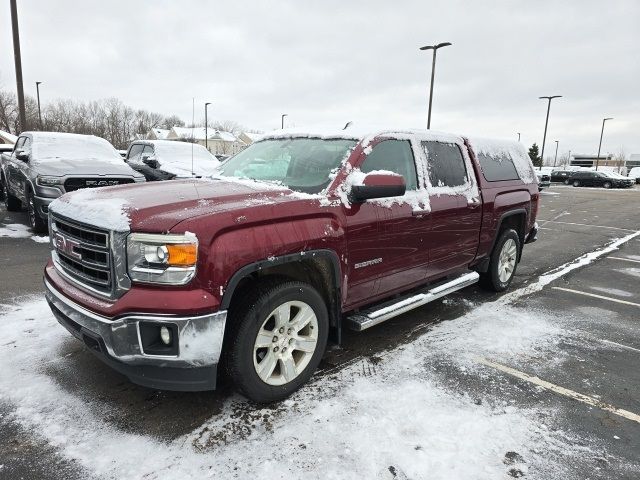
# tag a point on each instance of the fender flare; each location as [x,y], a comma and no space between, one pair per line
[510,213]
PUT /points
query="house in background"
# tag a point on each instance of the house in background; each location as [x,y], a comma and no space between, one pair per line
[157,134]
[218,141]
[249,137]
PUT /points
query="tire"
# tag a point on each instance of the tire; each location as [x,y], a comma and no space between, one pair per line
[11,203]
[566,181]
[507,249]
[287,368]
[37,224]
[606,184]
[576,183]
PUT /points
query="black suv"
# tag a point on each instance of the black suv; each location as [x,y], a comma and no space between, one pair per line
[599,179]
[45,165]
[562,176]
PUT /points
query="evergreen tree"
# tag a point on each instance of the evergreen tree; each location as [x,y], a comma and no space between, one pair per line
[534,155]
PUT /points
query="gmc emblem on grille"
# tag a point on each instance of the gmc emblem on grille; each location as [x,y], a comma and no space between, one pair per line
[67,246]
[101,183]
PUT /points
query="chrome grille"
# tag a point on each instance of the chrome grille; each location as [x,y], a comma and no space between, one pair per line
[76,183]
[83,253]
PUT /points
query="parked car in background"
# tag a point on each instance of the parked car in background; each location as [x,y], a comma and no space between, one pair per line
[592,178]
[44,165]
[170,159]
[561,176]
[301,235]
[544,180]
[634,174]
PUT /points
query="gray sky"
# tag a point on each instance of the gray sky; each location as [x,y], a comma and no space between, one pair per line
[328,62]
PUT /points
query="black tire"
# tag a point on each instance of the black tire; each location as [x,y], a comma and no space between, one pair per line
[490,279]
[566,181]
[37,224]
[576,183]
[606,184]
[11,203]
[246,320]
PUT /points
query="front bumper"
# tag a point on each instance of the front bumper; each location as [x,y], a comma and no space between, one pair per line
[42,206]
[118,342]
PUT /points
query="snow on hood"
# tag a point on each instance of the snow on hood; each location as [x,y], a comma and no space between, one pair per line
[50,146]
[93,208]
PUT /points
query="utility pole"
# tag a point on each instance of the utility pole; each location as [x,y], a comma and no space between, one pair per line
[555,159]
[433,72]
[546,122]
[18,62]
[600,144]
[39,111]
[518,136]
[569,158]
[282,119]
[206,127]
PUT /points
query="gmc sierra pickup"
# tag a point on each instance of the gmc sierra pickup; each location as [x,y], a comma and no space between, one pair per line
[297,237]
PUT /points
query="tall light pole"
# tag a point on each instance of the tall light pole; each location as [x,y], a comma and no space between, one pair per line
[546,122]
[600,144]
[555,159]
[569,158]
[39,112]
[18,63]
[518,136]
[433,72]
[282,119]
[206,126]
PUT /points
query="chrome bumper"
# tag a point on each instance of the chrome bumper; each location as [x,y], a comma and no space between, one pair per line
[199,338]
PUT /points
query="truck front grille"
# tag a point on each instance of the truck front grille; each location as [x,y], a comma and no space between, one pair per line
[83,253]
[73,184]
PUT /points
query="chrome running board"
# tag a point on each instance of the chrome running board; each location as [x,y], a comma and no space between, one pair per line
[380,313]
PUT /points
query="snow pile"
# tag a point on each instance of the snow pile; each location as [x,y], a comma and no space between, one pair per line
[89,207]
[506,149]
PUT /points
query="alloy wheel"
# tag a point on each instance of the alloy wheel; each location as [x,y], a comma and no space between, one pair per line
[507,260]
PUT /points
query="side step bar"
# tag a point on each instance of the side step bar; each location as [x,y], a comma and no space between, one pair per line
[368,318]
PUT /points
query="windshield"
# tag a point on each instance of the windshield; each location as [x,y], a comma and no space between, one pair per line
[302,164]
[73,148]
[613,175]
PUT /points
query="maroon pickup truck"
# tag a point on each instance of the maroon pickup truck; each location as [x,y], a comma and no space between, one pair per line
[298,236]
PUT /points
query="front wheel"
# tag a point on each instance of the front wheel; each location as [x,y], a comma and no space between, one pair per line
[566,182]
[606,184]
[576,183]
[276,339]
[503,262]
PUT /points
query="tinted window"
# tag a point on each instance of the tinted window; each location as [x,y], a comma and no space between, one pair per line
[134,152]
[446,165]
[394,156]
[497,168]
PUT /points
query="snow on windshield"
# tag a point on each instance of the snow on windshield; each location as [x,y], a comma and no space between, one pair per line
[71,147]
[176,158]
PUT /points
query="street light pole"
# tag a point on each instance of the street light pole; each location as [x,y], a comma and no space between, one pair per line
[18,63]
[546,122]
[433,72]
[555,159]
[39,112]
[569,158]
[600,144]
[282,119]
[206,126]
[518,136]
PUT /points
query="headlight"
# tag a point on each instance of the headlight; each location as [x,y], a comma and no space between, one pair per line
[166,259]
[48,181]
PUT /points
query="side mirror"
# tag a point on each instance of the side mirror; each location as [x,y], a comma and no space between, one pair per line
[22,155]
[150,160]
[378,185]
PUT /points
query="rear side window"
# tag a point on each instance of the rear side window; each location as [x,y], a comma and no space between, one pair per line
[135,151]
[394,156]
[496,168]
[446,165]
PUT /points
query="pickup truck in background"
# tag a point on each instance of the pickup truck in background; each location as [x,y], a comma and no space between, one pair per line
[44,165]
[299,236]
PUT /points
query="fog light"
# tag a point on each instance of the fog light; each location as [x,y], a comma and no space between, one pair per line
[165,335]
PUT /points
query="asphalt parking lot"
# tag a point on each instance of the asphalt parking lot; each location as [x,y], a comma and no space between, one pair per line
[581,380]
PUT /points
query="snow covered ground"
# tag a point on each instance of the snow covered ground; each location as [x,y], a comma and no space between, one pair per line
[17,230]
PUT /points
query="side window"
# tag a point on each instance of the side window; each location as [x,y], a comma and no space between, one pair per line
[27,145]
[445,163]
[134,152]
[148,151]
[395,156]
[18,145]
[496,168]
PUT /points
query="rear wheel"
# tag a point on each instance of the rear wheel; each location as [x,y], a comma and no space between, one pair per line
[503,262]
[576,183]
[606,184]
[276,339]
[37,224]
[11,203]
[566,181]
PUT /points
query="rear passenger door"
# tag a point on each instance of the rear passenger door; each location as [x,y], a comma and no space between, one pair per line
[456,208]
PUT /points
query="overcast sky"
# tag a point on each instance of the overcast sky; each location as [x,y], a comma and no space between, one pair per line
[330,62]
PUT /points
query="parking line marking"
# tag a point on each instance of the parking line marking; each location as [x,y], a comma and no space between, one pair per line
[602,297]
[580,397]
[626,347]
[625,259]
[587,225]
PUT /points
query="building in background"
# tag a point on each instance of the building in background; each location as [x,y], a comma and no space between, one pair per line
[218,141]
[249,137]
[634,161]
[157,134]
[606,162]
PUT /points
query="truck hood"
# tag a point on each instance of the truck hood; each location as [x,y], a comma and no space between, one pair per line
[89,168]
[159,206]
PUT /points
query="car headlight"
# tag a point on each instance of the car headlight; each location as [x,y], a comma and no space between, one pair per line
[44,181]
[165,259]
